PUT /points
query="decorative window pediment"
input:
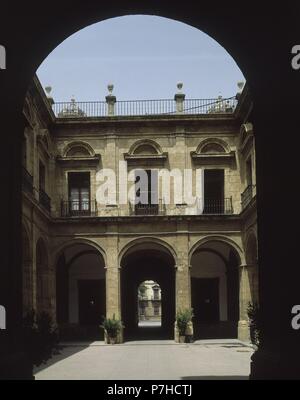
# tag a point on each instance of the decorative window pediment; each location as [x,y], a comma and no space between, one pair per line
[213,151]
[146,150]
[78,154]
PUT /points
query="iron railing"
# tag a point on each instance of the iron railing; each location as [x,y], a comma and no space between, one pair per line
[148,209]
[218,206]
[72,208]
[248,195]
[143,107]
[27,181]
[45,200]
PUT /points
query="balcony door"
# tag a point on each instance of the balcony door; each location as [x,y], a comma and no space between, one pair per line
[214,191]
[147,193]
[79,193]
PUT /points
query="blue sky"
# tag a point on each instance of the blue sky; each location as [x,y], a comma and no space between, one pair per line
[144,57]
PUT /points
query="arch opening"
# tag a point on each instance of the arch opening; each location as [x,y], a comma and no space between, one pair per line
[148,263]
[215,290]
[80,292]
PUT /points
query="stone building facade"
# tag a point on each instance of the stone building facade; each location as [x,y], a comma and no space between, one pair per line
[83,260]
[149,298]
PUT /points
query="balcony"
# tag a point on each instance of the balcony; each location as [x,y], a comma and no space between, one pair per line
[45,200]
[128,108]
[147,209]
[74,208]
[218,206]
[248,195]
[27,181]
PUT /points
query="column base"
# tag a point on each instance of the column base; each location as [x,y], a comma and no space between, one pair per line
[244,331]
[189,333]
[275,365]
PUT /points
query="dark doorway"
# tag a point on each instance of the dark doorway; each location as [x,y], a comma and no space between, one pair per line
[91,302]
[148,265]
[148,193]
[205,299]
[214,191]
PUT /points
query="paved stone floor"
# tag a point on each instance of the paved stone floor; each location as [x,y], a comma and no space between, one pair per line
[144,360]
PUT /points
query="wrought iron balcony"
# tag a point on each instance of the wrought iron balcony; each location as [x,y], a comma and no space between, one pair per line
[83,208]
[45,200]
[248,195]
[147,209]
[27,181]
[218,206]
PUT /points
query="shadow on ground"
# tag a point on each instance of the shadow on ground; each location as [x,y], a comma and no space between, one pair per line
[63,353]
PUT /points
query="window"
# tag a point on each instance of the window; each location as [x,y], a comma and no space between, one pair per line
[214,191]
[148,193]
[42,177]
[156,293]
[79,192]
[249,172]
[156,310]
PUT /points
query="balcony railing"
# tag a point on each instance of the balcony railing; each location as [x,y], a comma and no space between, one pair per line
[218,206]
[27,181]
[74,208]
[148,209]
[248,195]
[45,200]
[94,109]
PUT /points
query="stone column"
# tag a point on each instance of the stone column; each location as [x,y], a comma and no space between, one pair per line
[113,298]
[179,98]
[111,101]
[245,298]
[183,293]
[113,279]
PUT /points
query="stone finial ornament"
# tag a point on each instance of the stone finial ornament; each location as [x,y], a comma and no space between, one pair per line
[110,88]
[179,86]
[48,90]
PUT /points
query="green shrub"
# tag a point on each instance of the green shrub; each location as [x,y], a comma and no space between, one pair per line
[254,323]
[40,337]
[112,326]
[183,317]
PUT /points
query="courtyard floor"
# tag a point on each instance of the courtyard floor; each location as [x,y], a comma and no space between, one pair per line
[147,360]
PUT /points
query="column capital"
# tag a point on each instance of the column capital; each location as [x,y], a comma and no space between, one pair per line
[110,267]
[246,266]
[182,266]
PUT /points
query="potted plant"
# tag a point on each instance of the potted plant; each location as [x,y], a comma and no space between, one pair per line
[112,327]
[183,320]
[254,323]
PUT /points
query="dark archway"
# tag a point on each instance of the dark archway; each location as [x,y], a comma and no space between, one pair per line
[80,292]
[215,290]
[140,264]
